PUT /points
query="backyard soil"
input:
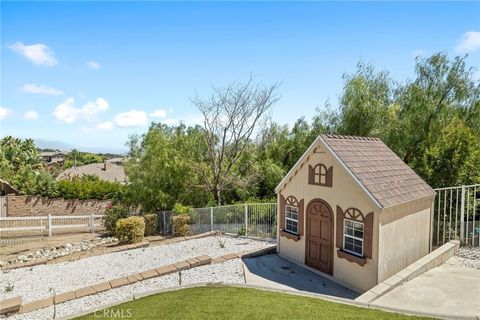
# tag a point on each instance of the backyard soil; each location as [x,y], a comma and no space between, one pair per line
[13,251]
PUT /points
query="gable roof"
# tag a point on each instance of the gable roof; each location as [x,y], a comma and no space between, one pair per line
[375,167]
[105,171]
[7,188]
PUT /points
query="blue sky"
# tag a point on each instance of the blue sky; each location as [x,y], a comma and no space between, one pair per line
[91,73]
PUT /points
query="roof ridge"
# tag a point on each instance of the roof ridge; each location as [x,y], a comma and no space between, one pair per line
[348,137]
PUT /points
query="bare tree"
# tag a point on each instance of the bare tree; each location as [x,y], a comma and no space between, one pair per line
[232,116]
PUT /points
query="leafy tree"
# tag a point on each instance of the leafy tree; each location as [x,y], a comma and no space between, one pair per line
[160,170]
[77,158]
[364,103]
[454,156]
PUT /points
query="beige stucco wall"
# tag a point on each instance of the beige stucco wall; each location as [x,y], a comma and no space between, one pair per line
[404,236]
[346,193]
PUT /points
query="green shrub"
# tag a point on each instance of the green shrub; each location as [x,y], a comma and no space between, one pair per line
[181,225]
[130,230]
[112,215]
[151,224]
[179,209]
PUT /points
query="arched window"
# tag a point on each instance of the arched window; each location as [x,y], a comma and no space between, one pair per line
[319,175]
[291,215]
[353,232]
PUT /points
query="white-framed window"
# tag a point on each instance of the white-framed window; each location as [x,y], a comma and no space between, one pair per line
[291,219]
[353,237]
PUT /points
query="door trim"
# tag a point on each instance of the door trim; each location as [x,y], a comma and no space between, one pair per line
[332,247]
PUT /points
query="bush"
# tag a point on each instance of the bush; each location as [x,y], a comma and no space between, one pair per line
[181,225]
[130,230]
[151,224]
[112,215]
[179,209]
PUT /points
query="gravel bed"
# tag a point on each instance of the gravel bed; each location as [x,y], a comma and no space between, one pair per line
[101,299]
[35,283]
[466,256]
[228,272]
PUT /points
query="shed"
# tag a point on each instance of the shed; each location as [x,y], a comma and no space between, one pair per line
[353,210]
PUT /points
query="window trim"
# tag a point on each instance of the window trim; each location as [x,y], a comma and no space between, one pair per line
[322,173]
[287,218]
[354,237]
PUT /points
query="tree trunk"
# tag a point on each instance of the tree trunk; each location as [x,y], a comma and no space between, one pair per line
[217,196]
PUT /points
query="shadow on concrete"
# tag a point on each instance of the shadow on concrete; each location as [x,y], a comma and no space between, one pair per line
[275,272]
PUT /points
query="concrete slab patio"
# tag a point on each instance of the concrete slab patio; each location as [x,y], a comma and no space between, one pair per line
[275,272]
[450,289]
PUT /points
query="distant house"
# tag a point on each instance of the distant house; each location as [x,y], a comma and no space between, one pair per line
[104,171]
[118,161]
[7,188]
[53,157]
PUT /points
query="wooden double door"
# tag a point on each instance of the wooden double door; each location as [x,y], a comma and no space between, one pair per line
[319,237]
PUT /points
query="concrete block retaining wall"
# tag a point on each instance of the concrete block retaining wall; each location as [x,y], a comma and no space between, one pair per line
[26,206]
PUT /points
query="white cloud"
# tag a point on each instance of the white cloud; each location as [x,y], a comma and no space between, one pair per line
[40,54]
[469,42]
[159,113]
[93,65]
[30,115]
[132,118]
[188,121]
[4,112]
[105,126]
[67,112]
[41,89]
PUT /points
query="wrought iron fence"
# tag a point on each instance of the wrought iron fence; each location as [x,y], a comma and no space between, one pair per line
[457,215]
[251,220]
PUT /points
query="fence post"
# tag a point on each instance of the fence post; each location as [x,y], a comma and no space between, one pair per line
[49,225]
[462,214]
[246,220]
[164,224]
[211,218]
[92,226]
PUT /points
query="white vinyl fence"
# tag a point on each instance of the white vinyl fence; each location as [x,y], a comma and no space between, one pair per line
[457,215]
[3,207]
[24,229]
[251,220]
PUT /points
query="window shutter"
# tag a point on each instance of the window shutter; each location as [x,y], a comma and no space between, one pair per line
[368,235]
[329,179]
[339,228]
[311,175]
[301,219]
[282,212]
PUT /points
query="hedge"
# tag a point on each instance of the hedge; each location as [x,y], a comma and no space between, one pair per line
[151,224]
[130,230]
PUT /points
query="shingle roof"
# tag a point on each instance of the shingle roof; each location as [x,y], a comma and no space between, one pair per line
[113,172]
[388,179]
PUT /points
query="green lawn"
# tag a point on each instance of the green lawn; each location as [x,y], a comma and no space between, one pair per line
[236,303]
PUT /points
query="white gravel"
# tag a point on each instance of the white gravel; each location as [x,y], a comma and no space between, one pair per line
[466,256]
[36,282]
[228,272]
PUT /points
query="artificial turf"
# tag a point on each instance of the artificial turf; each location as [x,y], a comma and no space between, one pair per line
[217,302]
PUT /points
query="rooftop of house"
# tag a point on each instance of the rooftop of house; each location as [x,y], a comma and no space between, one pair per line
[115,160]
[7,188]
[386,177]
[51,154]
[105,171]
